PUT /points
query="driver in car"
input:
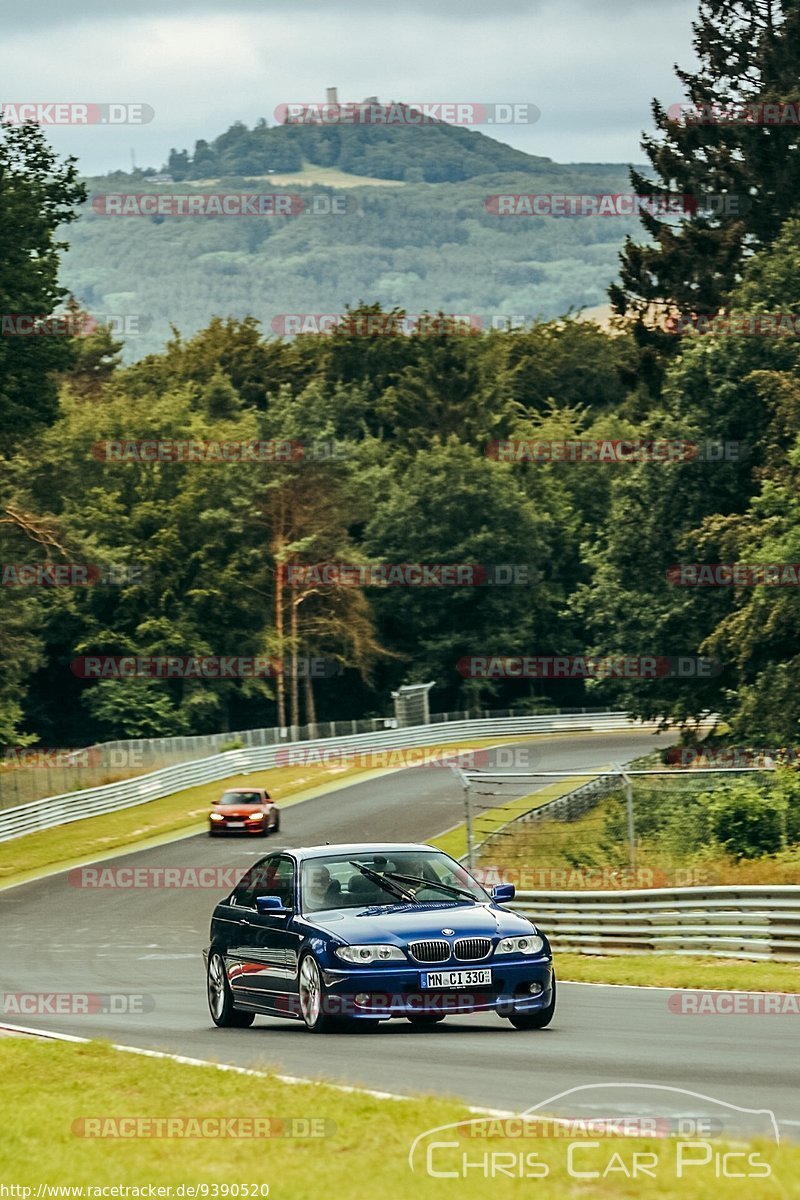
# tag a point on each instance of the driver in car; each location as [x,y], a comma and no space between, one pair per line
[418,869]
[321,890]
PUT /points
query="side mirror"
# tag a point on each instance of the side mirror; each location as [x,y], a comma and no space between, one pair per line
[503,891]
[270,905]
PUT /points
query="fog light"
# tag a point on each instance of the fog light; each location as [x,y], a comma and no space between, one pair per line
[535,989]
[361,999]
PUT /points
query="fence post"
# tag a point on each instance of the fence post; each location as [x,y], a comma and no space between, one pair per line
[631,820]
[467,816]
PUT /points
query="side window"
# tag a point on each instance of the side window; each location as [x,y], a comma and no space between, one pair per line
[281,882]
[254,883]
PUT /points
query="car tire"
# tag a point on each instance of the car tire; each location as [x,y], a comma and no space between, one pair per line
[276,828]
[224,1013]
[536,1020]
[425,1018]
[312,997]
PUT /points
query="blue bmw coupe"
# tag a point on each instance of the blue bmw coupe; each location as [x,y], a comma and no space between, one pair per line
[330,935]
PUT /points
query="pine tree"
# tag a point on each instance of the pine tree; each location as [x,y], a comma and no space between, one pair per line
[749,52]
[38,196]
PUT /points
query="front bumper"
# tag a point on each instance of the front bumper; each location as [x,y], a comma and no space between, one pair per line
[249,827]
[377,994]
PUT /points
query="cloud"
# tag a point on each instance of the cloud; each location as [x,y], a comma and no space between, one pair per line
[591,72]
[52,13]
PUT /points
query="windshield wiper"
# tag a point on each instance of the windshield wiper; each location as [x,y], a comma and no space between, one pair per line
[383,882]
[445,887]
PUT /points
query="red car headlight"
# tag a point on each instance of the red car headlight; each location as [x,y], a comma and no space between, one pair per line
[216,816]
[256,817]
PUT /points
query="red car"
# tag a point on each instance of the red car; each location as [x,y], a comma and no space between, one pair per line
[244,810]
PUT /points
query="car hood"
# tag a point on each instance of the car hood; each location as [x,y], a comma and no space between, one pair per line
[401,923]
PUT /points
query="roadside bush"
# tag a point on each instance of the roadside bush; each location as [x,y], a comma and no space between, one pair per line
[233,744]
[748,820]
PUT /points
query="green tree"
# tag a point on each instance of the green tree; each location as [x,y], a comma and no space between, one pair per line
[749,55]
[741,391]
[38,193]
[453,505]
[134,709]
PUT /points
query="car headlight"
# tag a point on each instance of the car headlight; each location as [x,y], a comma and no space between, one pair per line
[370,954]
[256,817]
[216,816]
[531,943]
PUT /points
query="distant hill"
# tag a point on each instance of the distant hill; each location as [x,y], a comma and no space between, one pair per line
[425,247]
[430,153]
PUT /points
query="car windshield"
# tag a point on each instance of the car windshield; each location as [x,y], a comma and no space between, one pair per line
[239,798]
[357,880]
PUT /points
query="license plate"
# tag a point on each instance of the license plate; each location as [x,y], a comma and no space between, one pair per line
[236,824]
[456,979]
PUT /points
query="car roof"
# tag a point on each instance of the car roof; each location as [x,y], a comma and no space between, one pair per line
[302,852]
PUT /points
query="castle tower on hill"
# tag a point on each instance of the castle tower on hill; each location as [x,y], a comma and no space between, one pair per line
[332,97]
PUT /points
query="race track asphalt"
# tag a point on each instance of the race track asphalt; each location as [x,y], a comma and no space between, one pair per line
[58,937]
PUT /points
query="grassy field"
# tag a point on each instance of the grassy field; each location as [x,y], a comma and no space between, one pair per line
[360,1151]
[309,177]
[680,971]
[454,841]
[592,851]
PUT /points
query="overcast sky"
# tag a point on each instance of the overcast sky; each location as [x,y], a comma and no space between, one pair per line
[590,66]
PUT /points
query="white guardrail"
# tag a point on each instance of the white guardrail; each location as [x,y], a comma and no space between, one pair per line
[77,806]
[720,922]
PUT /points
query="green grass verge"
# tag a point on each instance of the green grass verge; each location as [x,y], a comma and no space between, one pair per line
[680,971]
[454,841]
[671,851]
[363,1155]
[184,810]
